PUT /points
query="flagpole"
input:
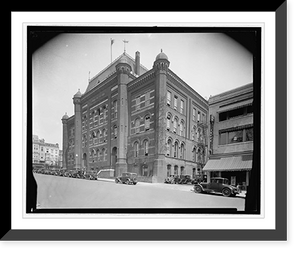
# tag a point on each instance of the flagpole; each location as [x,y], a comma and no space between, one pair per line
[111,43]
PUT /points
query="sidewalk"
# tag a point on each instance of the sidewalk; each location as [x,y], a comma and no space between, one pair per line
[181,187]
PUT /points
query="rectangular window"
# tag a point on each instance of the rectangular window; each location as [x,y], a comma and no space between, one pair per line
[147,98]
[199,116]
[137,102]
[175,102]
[194,114]
[235,136]
[181,106]
[249,134]
[168,98]
[203,118]
[222,138]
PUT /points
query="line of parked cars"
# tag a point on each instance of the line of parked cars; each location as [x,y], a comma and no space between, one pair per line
[183,179]
[217,185]
[67,173]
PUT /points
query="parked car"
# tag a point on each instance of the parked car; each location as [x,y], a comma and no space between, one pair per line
[127,178]
[217,185]
[170,179]
[185,179]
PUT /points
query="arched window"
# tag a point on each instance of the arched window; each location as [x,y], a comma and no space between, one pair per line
[169,145]
[175,124]
[137,125]
[146,147]
[115,131]
[176,149]
[175,170]
[147,122]
[194,133]
[182,151]
[104,134]
[168,170]
[181,133]
[136,149]
[168,121]
[104,154]
[194,154]
[98,154]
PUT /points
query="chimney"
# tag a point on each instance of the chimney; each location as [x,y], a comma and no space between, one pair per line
[137,63]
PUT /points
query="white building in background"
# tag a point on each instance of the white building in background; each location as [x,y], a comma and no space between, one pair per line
[45,153]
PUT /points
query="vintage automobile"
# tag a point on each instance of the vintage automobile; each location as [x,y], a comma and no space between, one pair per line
[127,178]
[170,179]
[185,179]
[217,185]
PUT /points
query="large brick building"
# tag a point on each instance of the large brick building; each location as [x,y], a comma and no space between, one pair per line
[133,119]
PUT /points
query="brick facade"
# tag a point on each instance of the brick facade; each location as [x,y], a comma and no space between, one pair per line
[126,118]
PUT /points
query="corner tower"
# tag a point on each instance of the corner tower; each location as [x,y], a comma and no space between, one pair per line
[123,69]
[77,110]
[160,66]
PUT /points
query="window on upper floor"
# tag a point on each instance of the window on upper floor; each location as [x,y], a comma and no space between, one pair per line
[181,106]
[168,122]
[176,149]
[136,149]
[181,133]
[147,122]
[194,114]
[138,102]
[168,98]
[115,131]
[175,125]
[175,102]
[236,136]
[115,109]
[146,147]
[169,145]
[137,125]
[235,113]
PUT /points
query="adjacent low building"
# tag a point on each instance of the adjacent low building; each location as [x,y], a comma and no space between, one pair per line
[231,135]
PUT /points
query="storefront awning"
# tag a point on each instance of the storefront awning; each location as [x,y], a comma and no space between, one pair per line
[237,163]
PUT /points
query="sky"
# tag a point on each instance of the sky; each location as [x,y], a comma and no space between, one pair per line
[211,63]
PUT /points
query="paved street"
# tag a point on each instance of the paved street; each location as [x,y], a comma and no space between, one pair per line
[62,192]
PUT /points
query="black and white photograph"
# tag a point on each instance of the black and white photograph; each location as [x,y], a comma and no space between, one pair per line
[139,127]
[145,118]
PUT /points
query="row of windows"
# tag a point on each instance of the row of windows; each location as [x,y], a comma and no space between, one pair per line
[142,101]
[235,113]
[144,147]
[137,124]
[177,150]
[201,117]
[175,102]
[99,136]
[235,136]
[174,127]
[97,155]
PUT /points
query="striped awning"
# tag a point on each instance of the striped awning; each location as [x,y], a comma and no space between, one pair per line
[236,163]
[236,105]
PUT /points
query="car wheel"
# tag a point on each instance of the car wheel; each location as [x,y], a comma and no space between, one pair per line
[226,192]
[198,189]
